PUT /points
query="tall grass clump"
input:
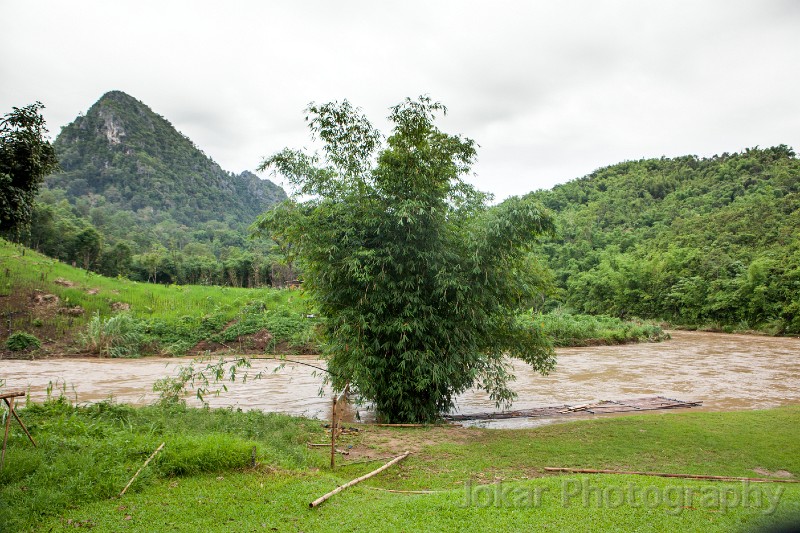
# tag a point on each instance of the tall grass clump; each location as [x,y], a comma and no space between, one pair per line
[117,336]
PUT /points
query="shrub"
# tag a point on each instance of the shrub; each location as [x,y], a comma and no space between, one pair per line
[19,341]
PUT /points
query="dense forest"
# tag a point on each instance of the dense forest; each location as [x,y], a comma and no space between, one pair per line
[136,198]
[693,241]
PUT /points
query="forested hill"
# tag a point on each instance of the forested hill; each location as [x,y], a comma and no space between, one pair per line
[135,159]
[137,198]
[696,241]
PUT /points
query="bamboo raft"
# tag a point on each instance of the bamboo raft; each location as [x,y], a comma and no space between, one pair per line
[653,403]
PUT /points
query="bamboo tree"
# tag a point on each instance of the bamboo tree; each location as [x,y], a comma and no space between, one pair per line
[418,280]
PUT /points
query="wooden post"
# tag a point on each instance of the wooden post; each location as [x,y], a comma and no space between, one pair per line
[333,433]
[334,423]
[5,437]
[14,412]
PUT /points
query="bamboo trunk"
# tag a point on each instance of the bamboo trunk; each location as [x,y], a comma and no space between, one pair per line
[140,469]
[349,484]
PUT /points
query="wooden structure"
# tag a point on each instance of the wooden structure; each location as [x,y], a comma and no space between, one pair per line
[9,398]
[606,406]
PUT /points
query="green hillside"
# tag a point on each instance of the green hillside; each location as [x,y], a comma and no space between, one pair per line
[137,198]
[695,241]
[71,310]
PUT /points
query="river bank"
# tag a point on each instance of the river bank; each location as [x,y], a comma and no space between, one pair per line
[724,371]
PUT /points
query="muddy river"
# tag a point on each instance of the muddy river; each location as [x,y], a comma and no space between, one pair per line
[723,371]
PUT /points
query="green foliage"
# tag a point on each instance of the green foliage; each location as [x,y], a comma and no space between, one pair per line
[214,452]
[117,336]
[86,454]
[172,320]
[26,157]
[20,341]
[692,241]
[496,466]
[566,329]
[417,280]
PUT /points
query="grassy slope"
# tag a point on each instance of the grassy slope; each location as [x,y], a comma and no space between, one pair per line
[184,315]
[24,274]
[214,494]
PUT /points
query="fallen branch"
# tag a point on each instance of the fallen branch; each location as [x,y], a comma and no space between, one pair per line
[327,445]
[664,474]
[349,484]
[140,469]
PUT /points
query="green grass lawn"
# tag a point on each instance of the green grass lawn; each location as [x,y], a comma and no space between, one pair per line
[480,479]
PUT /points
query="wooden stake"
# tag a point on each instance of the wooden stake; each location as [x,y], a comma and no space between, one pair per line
[140,469]
[334,424]
[664,474]
[349,484]
[333,434]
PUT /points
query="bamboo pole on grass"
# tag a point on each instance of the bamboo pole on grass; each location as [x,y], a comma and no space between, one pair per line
[140,469]
[349,484]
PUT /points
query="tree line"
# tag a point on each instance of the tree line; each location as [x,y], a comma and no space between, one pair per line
[152,249]
[692,241]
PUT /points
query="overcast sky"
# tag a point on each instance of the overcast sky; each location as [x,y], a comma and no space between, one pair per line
[549,90]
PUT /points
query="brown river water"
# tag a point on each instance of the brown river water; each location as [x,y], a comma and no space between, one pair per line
[725,372]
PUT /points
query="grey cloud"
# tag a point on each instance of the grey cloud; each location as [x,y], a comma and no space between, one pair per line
[550,91]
